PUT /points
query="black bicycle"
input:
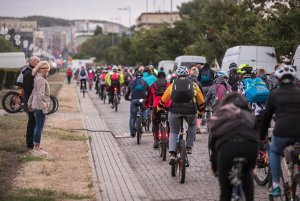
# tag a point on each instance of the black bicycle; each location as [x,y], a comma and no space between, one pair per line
[13,102]
[261,171]
[139,120]
[115,99]
[181,156]
[163,135]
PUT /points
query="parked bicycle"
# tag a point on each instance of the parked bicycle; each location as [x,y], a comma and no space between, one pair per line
[290,173]
[235,176]
[182,158]
[163,135]
[13,102]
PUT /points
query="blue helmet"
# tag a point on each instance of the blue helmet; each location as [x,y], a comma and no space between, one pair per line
[222,73]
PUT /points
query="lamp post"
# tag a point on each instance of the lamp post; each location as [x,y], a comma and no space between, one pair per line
[129,12]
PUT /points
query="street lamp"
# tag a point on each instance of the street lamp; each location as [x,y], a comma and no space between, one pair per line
[129,12]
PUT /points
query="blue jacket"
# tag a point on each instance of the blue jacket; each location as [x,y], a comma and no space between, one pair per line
[150,79]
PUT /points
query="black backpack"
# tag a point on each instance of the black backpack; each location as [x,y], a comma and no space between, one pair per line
[82,73]
[182,90]
[161,86]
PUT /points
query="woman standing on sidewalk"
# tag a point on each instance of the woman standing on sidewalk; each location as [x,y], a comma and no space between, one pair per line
[39,102]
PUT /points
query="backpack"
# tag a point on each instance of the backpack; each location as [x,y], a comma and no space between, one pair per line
[160,87]
[127,78]
[205,76]
[182,90]
[114,77]
[69,73]
[139,84]
[222,90]
[103,75]
[82,73]
[20,77]
[256,90]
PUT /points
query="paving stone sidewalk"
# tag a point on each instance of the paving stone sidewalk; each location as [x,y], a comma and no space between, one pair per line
[115,178]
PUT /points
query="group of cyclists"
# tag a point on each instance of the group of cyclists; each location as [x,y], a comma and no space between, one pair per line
[243,100]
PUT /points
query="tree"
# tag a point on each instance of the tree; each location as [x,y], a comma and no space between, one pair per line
[98,30]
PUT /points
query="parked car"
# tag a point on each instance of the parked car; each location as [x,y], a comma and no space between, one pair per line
[257,56]
[188,61]
[296,61]
[12,59]
[166,64]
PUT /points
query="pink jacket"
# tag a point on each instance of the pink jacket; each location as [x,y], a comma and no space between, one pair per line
[40,95]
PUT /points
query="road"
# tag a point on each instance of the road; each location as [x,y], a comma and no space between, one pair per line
[155,175]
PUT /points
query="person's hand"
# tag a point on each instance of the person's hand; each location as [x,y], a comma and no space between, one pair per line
[158,108]
[29,108]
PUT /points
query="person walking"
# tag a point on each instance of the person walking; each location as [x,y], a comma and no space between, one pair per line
[28,80]
[69,75]
[39,102]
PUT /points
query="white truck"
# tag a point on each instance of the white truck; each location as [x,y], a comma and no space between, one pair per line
[256,56]
[12,59]
[189,60]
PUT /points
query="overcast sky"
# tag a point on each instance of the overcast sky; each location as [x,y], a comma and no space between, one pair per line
[86,9]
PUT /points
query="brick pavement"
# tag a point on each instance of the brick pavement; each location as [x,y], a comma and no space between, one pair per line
[154,174]
[115,178]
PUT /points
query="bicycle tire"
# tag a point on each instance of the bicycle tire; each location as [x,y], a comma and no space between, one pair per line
[161,141]
[116,102]
[57,103]
[263,162]
[296,188]
[52,105]
[182,162]
[104,97]
[138,123]
[8,104]
[164,143]
[173,170]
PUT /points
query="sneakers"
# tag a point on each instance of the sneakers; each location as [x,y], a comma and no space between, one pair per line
[275,192]
[172,159]
[189,150]
[132,135]
[156,145]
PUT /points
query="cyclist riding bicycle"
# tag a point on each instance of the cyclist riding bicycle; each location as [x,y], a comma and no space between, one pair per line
[233,135]
[113,80]
[218,90]
[154,95]
[284,102]
[90,77]
[83,76]
[102,81]
[138,90]
[186,97]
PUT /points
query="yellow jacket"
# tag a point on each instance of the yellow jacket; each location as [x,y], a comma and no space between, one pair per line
[198,98]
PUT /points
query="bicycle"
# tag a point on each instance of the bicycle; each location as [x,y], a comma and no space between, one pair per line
[163,135]
[261,171]
[139,120]
[181,156]
[13,102]
[149,119]
[104,94]
[115,99]
[83,88]
[290,173]
[208,112]
[235,176]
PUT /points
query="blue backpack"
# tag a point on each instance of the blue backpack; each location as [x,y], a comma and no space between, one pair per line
[139,84]
[256,90]
[205,76]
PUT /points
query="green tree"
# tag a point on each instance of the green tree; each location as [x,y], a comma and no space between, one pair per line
[98,30]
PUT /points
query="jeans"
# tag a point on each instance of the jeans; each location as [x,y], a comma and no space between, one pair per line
[30,129]
[39,124]
[277,146]
[174,122]
[133,113]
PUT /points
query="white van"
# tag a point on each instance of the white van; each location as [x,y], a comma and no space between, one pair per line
[296,61]
[166,64]
[261,56]
[12,59]
[188,61]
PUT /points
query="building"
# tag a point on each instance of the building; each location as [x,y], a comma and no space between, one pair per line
[19,25]
[150,20]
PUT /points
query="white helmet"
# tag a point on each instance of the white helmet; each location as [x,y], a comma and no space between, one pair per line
[285,73]
[182,71]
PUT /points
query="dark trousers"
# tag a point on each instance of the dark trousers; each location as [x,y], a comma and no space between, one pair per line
[111,90]
[30,129]
[226,153]
[69,79]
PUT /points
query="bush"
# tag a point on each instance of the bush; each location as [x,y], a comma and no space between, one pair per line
[10,79]
[2,77]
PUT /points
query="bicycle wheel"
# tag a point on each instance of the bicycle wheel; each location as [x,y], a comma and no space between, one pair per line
[182,162]
[116,102]
[138,124]
[296,188]
[57,103]
[262,169]
[52,106]
[104,97]
[174,169]
[164,143]
[12,102]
